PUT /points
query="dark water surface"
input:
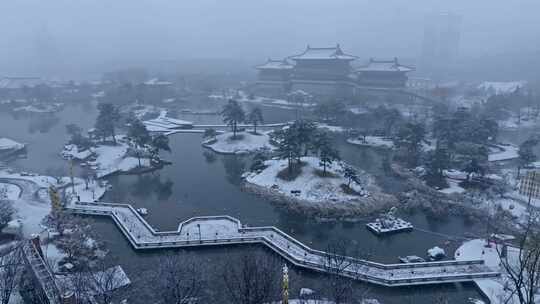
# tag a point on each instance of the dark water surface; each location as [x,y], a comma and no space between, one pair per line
[203,183]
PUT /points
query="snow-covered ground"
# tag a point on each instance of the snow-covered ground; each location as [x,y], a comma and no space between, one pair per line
[309,186]
[503,152]
[495,289]
[107,158]
[112,159]
[372,141]
[330,128]
[33,203]
[247,143]
[73,152]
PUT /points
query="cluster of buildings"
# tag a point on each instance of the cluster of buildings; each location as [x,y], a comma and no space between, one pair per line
[329,71]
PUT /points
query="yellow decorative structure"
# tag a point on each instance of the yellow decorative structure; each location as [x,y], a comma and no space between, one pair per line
[285,285]
[55,198]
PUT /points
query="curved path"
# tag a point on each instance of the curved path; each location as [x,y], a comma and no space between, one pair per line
[224,230]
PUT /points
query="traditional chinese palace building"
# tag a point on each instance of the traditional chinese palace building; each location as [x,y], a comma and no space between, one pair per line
[327,71]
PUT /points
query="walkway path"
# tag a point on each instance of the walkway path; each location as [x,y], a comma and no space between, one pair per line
[224,230]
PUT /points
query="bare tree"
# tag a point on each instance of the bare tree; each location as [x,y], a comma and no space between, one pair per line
[522,263]
[341,272]
[11,268]
[179,279]
[104,282]
[252,278]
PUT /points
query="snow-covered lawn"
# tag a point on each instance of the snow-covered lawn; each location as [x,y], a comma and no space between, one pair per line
[112,159]
[308,185]
[372,141]
[503,152]
[246,142]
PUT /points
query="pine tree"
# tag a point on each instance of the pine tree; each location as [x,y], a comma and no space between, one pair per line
[233,114]
[107,119]
[350,174]
[288,146]
[327,154]
[255,117]
[139,135]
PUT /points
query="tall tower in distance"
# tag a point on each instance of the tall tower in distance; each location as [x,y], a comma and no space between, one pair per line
[442,33]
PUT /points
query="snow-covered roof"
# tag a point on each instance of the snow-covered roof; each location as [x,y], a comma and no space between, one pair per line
[275,64]
[384,66]
[19,82]
[323,53]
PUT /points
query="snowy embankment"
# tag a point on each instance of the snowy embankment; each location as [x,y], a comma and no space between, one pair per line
[499,87]
[372,141]
[32,203]
[246,142]
[241,96]
[503,152]
[107,159]
[498,290]
[310,189]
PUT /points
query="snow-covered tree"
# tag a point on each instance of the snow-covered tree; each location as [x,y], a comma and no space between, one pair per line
[408,141]
[327,153]
[11,268]
[209,133]
[139,136]
[288,146]
[233,114]
[159,142]
[526,154]
[255,117]
[350,173]
[6,212]
[107,120]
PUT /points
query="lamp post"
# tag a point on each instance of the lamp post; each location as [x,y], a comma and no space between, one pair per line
[199,227]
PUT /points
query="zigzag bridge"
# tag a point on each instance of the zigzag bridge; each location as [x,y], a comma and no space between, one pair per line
[225,230]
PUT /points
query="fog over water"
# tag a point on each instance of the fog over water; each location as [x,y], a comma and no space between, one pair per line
[75,38]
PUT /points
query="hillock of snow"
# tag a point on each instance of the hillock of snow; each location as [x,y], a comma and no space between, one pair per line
[246,142]
[311,189]
[372,141]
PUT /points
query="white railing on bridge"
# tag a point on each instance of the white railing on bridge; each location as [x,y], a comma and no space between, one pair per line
[285,245]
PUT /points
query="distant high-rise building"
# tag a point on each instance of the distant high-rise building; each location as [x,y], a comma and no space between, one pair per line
[441,39]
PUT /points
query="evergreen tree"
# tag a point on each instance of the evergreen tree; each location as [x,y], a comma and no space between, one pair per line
[107,119]
[474,166]
[288,146]
[526,154]
[408,141]
[437,162]
[305,133]
[255,117]
[233,114]
[327,153]
[159,142]
[139,135]
[209,133]
[350,174]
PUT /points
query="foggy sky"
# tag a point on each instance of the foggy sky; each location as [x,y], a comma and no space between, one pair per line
[80,34]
